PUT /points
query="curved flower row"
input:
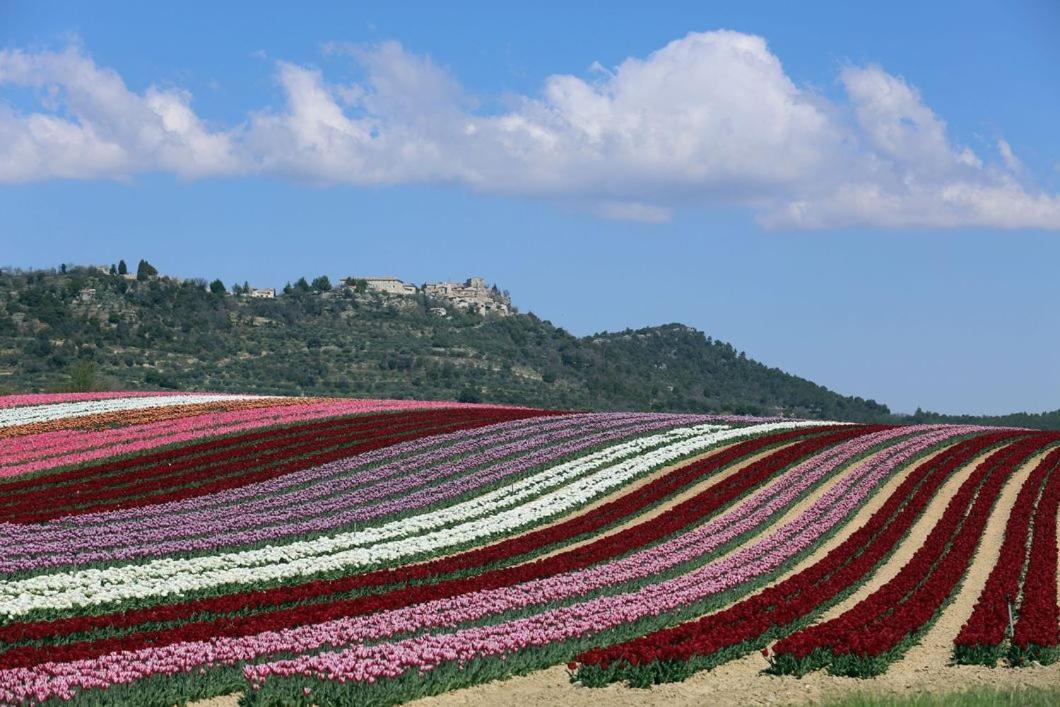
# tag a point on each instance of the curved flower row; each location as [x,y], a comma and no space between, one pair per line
[672,654]
[868,637]
[1037,633]
[10,401]
[981,639]
[378,490]
[487,515]
[28,414]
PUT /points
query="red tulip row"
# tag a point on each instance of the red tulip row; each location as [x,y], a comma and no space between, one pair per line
[232,468]
[143,462]
[1037,634]
[981,639]
[674,653]
[866,639]
[144,491]
[273,616]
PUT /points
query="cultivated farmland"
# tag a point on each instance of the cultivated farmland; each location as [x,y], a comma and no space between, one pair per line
[160,548]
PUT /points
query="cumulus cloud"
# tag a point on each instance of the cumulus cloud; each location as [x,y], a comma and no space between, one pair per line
[91,125]
[709,119]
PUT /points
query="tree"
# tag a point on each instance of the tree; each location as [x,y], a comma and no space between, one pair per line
[469,395]
[62,268]
[145,270]
[82,377]
[123,269]
[301,285]
[217,288]
[322,284]
[113,269]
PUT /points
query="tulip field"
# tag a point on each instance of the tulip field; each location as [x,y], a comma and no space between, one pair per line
[160,548]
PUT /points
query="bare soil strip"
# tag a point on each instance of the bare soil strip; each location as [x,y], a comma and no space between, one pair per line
[936,646]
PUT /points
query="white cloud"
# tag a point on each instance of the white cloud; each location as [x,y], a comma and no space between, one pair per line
[92,125]
[709,119]
[905,172]
[1012,162]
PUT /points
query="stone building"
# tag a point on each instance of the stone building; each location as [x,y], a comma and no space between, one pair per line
[388,286]
[472,295]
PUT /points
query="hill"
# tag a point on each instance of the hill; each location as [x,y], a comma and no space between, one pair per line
[87,328]
[80,328]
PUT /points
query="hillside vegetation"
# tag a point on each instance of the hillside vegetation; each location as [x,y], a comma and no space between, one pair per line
[84,328]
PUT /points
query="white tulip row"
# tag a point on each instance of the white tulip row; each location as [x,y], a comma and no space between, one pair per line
[489,515]
[55,411]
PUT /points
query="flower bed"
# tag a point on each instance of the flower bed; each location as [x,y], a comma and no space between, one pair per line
[160,548]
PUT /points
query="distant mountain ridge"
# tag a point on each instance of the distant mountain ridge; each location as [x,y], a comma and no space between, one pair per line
[81,327]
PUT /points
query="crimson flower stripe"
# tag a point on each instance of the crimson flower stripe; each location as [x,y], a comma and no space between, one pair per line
[981,638]
[1037,633]
[190,454]
[266,466]
[864,640]
[665,655]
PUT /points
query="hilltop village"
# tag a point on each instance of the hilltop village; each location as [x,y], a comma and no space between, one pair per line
[472,295]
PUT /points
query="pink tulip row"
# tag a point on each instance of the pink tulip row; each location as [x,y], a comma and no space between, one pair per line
[29,453]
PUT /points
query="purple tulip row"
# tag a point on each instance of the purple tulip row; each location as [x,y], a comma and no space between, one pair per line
[301,514]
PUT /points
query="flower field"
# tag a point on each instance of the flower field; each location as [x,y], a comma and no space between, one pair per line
[161,548]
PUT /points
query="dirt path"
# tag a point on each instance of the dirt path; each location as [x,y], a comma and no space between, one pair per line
[936,646]
[732,685]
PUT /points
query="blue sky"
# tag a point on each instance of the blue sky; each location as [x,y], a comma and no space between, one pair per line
[865,197]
